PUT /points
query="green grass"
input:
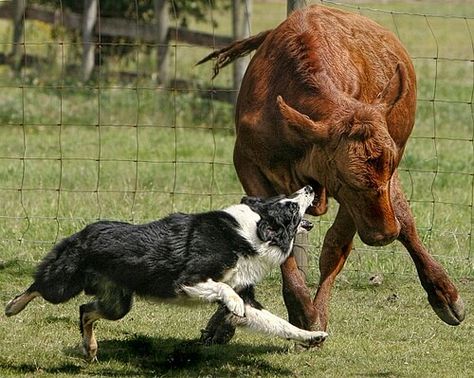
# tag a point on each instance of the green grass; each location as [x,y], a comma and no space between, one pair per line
[387,330]
[156,151]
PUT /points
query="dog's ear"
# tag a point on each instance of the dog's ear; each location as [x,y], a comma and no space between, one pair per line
[274,235]
[251,201]
[282,228]
[265,232]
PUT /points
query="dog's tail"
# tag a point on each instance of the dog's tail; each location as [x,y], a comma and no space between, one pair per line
[58,278]
[237,49]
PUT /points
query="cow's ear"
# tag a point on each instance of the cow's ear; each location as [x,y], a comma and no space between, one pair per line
[301,124]
[395,89]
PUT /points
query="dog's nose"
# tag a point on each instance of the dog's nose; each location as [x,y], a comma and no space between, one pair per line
[308,189]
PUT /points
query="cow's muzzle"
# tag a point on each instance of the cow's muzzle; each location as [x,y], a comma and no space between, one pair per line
[381,237]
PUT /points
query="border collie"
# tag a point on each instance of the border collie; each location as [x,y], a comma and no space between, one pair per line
[216,256]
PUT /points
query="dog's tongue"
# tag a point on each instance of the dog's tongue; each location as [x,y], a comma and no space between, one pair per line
[306,224]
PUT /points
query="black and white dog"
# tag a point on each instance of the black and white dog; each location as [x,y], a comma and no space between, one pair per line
[217,256]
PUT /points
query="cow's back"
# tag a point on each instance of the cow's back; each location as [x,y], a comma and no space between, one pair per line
[357,54]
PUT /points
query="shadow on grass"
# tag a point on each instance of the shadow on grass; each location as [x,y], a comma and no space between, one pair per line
[33,368]
[158,356]
[144,356]
[141,355]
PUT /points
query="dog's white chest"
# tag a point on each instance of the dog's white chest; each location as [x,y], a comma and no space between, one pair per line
[250,270]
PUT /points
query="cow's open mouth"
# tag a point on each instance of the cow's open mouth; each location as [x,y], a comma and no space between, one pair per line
[306,224]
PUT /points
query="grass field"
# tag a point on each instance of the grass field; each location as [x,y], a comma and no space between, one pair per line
[71,153]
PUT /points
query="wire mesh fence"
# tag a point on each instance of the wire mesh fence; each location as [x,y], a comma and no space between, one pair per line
[122,145]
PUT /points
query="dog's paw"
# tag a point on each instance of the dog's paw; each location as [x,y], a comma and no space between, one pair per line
[89,354]
[317,338]
[236,305]
[89,349]
[312,339]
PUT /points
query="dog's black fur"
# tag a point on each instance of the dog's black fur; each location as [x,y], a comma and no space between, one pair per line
[153,260]
[207,256]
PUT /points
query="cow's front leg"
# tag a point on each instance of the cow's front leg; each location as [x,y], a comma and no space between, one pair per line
[442,294]
[336,248]
[296,295]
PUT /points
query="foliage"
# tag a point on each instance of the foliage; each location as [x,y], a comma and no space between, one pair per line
[180,10]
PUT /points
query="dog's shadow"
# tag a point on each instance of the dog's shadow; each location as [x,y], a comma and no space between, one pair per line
[152,356]
[140,355]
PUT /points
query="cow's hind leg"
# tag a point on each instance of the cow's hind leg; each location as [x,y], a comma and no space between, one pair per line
[442,294]
[112,303]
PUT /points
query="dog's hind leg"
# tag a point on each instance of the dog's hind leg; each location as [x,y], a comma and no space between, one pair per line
[53,291]
[88,314]
[265,322]
[112,303]
[18,303]
[218,330]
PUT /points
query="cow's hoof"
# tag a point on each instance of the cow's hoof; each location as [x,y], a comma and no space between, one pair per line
[450,313]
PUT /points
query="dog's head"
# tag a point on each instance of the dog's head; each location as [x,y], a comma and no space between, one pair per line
[281,217]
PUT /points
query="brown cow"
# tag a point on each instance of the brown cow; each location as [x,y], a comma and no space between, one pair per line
[329,100]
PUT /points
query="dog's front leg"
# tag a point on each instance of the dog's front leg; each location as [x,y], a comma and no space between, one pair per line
[213,291]
[265,322]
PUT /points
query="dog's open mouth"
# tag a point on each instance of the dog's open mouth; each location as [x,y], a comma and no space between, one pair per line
[306,224]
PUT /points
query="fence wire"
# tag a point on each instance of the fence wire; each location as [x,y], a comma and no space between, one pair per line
[123,146]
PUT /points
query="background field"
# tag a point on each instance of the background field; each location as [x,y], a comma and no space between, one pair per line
[118,148]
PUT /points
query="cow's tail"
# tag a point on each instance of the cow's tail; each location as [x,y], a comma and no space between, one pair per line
[235,50]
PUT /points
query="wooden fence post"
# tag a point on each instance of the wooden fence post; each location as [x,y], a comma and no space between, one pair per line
[292,5]
[89,19]
[162,28]
[301,246]
[19,7]
[241,13]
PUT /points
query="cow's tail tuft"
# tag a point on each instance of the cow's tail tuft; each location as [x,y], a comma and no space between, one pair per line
[237,49]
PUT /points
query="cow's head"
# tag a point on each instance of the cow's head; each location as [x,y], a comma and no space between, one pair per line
[360,156]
